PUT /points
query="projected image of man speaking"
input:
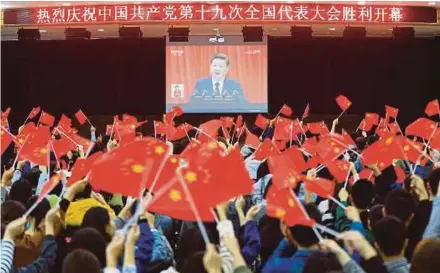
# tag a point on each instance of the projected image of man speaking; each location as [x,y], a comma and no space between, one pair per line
[219,89]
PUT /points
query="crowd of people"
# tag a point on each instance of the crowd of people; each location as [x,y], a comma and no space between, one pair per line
[372,219]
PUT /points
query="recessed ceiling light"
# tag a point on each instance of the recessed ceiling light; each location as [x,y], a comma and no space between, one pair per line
[432,3]
[100,29]
[361,2]
[332,29]
[43,31]
[66,4]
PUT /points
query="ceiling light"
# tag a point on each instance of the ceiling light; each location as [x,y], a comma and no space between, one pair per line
[100,29]
[432,3]
[43,31]
[66,4]
[332,29]
[361,2]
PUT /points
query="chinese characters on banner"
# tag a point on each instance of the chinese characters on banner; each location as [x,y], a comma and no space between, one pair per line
[228,12]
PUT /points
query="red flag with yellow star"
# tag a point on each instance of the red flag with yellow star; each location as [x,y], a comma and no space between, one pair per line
[432,108]
[331,147]
[285,173]
[81,117]
[422,127]
[266,149]
[6,140]
[286,110]
[343,102]
[318,128]
[372,118]
[82,167]
[284,205]
[35,149]
[383,151]
[121,170]
[413,150]
[209,128]
[391,111]
[62,146]
[338,168]
[262,122]
[26,130]
[35,111]
[47,119]
[84,142]
[320,186]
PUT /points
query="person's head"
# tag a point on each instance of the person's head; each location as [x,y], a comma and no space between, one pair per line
[194,263]
[374,215]
[89,239]
[99,219]
[81,260]
[304,236]
[362,194]
[270,236]
[86,193]
[433,181]
[390,235]
[399,203]
[40,211]
[322,262]
[219,66]
[33,176]
[425,258]
[11,210]
[21,191]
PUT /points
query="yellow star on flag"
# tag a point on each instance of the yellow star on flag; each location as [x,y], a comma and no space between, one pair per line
[159,150]
[137,168]
[175,195]
[191,177]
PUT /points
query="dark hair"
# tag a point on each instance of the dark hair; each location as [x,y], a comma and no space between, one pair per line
[97,218]
[390,235]
[304,235]
[194,263]
[426,257]
[434,180]
[11,210]
[40,211]
[400,203]
[362,193]
[375,214]
[89,239]
[33,176]
[321,262]
[21,191]
[81,260]
[262,170]
[220,56]
[190,241]
[270,236]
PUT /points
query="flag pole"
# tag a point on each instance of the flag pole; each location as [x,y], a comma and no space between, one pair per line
[184,128]
[201,131]
[341,114]
[56,157]
[69,138]
[291,133]
[48,159]
[9,133]
[193,206]
[19,151]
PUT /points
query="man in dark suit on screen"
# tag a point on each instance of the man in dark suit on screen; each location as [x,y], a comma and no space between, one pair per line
[217,90]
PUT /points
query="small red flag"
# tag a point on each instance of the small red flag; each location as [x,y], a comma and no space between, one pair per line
[318,128]
[84,142]
[284,172]
[262,122]
[62,146]
[364,126]
[108,129]
[82,167]
[284,205]
[422,127]
[435,140]
[391,111]
[50,185]
[383,151]
[128,119]
[239,122]
[227,122]
[160,128]
[320,186]
[286,110]
[313,162]
[267,148]
[35,148]
[6,140]
[394,127]
[284,131]
[122,169]
[343,102]
[64,122]
[81,117]
[309,145]
[367,174]
[179,132]
[35,111]
[47,119]
[432,108]
[413,150]
[175,112]
[306,112]
[209,128]
[27,129]
[252,140]
[371,118]
[338,168]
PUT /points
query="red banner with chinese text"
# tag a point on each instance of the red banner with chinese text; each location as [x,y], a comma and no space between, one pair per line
[223,12]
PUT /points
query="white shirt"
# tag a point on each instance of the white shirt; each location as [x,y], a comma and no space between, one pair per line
[220,87]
